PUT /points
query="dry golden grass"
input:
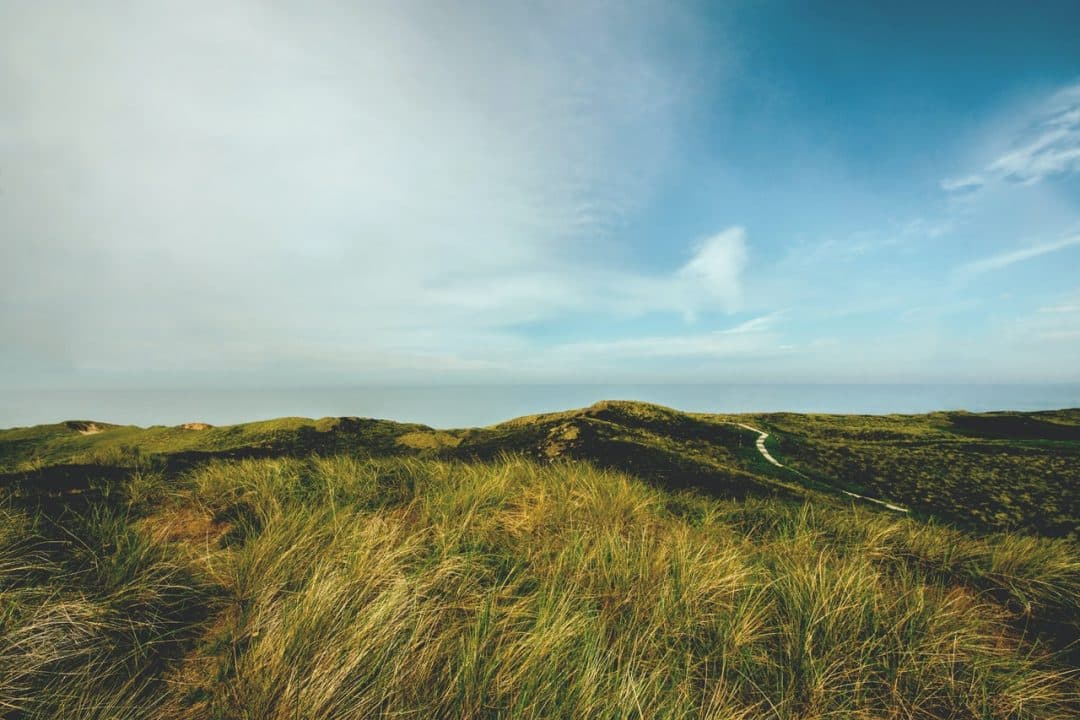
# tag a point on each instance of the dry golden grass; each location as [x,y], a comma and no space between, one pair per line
[345,588]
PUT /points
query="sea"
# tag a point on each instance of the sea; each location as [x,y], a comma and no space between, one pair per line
[454,406]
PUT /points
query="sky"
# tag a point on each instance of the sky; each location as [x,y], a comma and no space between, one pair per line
[277,193]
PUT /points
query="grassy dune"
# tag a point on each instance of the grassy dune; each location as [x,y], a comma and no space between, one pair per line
[999,471]
[346,587]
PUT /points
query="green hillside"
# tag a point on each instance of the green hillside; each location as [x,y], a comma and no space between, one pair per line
[1001,471]
[994,470]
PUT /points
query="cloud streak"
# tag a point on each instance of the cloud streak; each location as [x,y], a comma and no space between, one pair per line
[1004,260]
[1047,147]
[752,338]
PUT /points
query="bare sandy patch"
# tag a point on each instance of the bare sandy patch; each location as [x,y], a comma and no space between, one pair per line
[87,428]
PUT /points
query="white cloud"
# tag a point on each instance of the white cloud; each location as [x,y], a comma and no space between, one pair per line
[717,266]
[357,184]
[1072,309]
[1057,324]
[1055,151]
[921,228]
[754,337]
[1023,189]
[1003,260]
[758,324]
[711,280]
[1047,146]
[967,183]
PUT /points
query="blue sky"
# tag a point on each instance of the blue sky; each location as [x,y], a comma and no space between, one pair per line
[294,193]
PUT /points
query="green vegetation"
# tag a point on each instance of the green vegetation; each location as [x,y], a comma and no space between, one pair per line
[622,561]
[78,442]
[997,470]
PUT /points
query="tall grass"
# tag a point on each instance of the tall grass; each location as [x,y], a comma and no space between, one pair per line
[90,613]
[346,588]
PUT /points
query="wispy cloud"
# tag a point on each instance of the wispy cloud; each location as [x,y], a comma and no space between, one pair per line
[1057,323]
[964,184]
[1056,309]
[753,337]
[758,324]
[1004,260]
[1055,151]
[1047,146]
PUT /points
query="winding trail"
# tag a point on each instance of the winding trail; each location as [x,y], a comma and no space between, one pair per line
[761,444]
[765,454]
[897,508]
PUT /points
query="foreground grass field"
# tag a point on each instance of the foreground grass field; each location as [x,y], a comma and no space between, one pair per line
[348,587]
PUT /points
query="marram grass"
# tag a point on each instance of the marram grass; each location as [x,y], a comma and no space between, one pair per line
[344,588]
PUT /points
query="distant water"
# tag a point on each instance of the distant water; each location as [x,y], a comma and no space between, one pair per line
[461,406]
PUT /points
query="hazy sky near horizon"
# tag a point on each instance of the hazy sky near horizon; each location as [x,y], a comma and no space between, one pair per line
[260,192]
